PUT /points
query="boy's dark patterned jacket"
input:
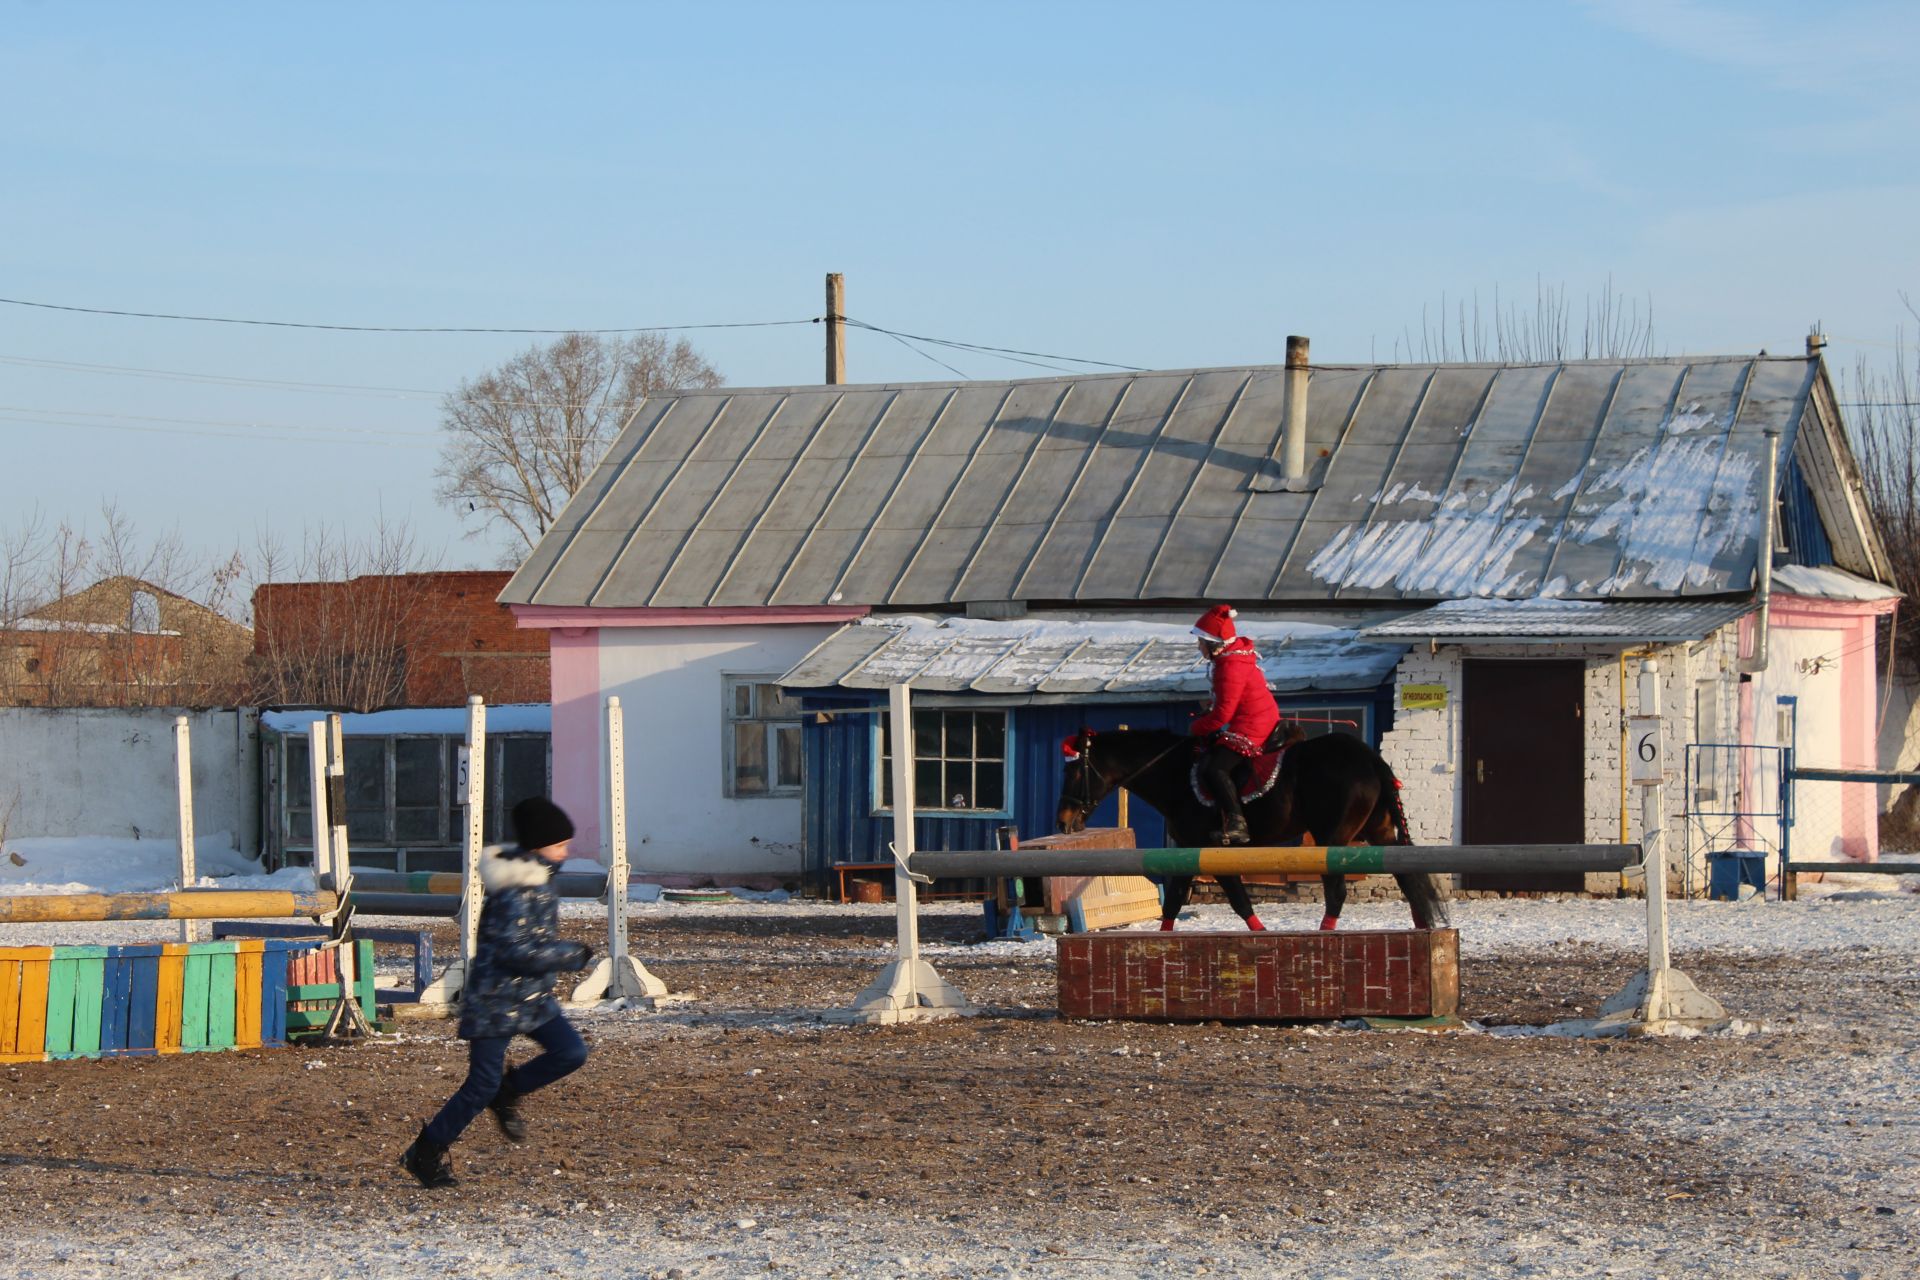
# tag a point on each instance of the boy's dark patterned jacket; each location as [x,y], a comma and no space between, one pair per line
[509,990]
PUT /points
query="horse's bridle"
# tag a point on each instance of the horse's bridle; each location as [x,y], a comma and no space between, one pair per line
[1087,802]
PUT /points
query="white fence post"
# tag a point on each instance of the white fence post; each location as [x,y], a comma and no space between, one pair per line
[617,975]
[318,756]
[190,930]
[473,765]
[472,893]
[1660,996]
[908,988]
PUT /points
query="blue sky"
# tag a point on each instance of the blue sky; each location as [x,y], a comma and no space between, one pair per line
[1152,184]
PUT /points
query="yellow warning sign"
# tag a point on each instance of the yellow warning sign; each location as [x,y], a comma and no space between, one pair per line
[1423,697]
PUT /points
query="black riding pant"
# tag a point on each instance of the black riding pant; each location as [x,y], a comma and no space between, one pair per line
[1220,771]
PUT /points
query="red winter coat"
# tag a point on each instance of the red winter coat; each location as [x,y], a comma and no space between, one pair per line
[1242,704]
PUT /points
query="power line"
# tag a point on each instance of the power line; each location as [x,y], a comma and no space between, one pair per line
[274,384]
[1001,351]
[917,351]
[31,419]
[387,328]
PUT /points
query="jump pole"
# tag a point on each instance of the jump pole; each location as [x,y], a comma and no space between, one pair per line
[190,930]
[446,988]
[617,975]
[186,904]
[1242,860]
[908,989]
[1660,997]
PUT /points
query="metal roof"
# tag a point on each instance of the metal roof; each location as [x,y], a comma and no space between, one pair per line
[1602,622]
[1595,479]
[1120,659]
[1827,583]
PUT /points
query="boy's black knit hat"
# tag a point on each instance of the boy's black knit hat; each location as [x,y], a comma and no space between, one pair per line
[539,822]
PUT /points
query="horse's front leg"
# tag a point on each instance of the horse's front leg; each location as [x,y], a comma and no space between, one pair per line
[1242,902]
[1173,899]
[1334,890]
[1423,899]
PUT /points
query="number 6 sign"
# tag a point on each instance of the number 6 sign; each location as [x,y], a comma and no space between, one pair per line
[1644,751]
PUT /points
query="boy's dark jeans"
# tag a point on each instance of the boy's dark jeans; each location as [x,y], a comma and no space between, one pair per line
[486,1074]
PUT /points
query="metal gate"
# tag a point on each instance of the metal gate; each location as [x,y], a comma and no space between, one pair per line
[1737,800]
[1831,812]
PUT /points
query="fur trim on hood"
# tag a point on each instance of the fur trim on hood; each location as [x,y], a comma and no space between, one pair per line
[498,871]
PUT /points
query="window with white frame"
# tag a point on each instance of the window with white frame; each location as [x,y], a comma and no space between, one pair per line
[763,738]
[959,761]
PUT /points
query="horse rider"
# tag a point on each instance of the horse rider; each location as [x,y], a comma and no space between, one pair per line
[1236,727]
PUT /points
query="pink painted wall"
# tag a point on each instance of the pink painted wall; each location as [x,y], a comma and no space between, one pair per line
[577,767]
[1853,622]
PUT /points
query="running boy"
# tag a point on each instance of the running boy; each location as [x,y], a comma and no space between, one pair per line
[509,991]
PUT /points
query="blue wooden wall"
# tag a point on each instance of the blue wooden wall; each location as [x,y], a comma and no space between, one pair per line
[1805,536]
[841,824]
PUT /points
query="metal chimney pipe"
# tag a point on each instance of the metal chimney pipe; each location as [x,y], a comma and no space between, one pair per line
[1763,572]
[1293,458]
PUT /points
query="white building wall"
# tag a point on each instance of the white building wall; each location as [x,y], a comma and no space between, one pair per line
[109,771]
[670,684]
[1424,746]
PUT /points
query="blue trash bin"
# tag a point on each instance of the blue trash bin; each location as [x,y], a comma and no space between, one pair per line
[1728,869]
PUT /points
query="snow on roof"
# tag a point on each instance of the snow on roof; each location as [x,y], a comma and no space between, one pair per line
[1547,620]
[507,718]
[1027,657]
[1828,583]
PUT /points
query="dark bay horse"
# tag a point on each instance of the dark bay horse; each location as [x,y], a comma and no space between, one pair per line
[1334,788]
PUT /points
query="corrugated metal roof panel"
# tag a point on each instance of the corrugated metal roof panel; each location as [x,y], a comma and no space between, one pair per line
[1014,659]
[1564,621]
[1585,479]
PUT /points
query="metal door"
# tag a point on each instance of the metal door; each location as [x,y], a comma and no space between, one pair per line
[1523,777]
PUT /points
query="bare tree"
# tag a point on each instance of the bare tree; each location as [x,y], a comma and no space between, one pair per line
[522,438]
[1884,418]
[1611,327]
[333,620]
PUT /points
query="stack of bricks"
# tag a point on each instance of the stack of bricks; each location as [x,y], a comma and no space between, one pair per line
[1258,977]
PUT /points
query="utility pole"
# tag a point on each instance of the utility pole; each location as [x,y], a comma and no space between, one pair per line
[836,332]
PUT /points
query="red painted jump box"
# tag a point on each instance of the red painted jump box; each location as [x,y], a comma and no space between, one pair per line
[1259,977]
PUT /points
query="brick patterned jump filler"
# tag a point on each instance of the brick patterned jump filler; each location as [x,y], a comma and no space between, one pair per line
[1257,977]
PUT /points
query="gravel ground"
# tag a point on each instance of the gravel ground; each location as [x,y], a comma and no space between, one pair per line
[741,1134]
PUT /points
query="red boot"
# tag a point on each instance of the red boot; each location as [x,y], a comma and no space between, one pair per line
[1253,923]
[1166,926]
[1330,922]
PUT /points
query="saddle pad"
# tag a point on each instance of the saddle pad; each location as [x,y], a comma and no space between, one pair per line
[1262,773]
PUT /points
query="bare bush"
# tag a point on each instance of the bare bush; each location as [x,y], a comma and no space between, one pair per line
[1610,327]
[522,438]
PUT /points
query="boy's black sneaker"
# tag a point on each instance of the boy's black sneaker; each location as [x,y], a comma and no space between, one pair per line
[506,1113]
[428,1163]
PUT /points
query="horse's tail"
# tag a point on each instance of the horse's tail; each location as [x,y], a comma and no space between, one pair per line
[1399,808]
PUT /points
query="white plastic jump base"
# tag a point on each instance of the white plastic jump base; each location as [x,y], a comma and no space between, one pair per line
[623,980]
[905,991]
[1660,1001]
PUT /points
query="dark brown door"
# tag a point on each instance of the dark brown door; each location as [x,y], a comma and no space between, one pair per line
[1524,781]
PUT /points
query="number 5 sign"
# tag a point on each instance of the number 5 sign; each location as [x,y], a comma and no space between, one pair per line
[1644,751]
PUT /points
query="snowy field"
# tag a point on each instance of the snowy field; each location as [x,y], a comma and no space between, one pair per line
[1789,1149]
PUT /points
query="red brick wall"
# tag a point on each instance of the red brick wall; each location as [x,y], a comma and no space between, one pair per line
[1248,977]
[444,630]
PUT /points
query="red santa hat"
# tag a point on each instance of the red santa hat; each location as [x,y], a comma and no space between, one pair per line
[1216,624]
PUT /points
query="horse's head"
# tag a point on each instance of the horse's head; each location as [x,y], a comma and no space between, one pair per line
[1083,786]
